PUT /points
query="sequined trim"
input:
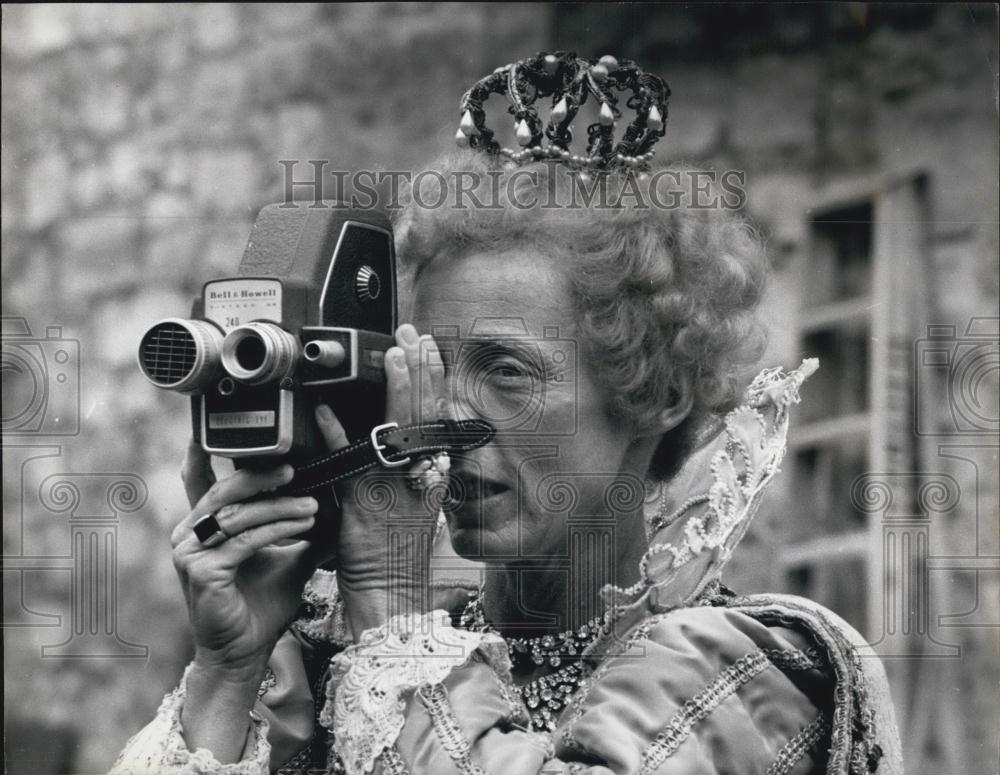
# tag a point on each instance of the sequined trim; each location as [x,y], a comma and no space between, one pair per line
[788,660]
[392,762]
[805,740]
[435,699]
[700,706]
[853,730]
[298,764]
[518,713]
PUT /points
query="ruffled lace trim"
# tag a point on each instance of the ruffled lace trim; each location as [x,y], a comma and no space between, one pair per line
[371,680]
[160,747]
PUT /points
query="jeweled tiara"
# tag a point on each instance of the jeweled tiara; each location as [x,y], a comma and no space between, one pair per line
[569,81]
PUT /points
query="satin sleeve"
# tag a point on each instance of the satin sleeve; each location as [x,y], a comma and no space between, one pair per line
[698,690]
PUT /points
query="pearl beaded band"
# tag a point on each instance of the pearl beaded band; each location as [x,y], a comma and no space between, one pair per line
[569,81]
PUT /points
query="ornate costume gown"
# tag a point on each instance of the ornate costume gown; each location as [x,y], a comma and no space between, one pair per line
[681,677]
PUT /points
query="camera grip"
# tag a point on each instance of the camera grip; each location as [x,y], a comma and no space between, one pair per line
[323,534]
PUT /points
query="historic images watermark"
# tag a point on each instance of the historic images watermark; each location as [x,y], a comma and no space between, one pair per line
[41,381]
[496,347]
[962,368]
[554,187]
[41,409]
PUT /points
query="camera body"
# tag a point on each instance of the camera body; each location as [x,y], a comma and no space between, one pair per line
[306,320]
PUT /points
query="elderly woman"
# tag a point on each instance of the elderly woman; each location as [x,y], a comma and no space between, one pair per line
[604,342]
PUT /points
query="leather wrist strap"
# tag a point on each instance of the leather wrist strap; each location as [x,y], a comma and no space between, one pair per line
[389,446]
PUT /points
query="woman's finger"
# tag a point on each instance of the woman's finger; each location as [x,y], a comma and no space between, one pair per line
[238,517]
[236,550]
[409,341]
[196,472]
[243,484]
[398,407]
[197,560]
[431,381]
[329,426]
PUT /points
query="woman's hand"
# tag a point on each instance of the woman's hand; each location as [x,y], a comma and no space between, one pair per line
[378,575]
[241,594]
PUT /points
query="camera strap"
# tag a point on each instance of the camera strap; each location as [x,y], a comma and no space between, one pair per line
[389,446]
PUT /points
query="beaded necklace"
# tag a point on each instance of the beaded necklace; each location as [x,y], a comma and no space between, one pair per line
[545,697]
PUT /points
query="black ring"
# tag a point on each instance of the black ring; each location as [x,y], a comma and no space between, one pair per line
[208,531]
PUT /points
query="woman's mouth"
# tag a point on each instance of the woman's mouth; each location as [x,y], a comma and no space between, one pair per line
[467,487]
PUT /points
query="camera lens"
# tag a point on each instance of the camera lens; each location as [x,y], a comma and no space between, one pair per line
[181,355]
[251,352]
[258,353]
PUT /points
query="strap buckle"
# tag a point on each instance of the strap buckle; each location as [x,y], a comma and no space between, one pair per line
[379,447]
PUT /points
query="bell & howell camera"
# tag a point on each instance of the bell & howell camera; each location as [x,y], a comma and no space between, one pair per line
[306,320]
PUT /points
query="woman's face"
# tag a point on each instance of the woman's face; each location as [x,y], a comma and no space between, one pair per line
[505,325]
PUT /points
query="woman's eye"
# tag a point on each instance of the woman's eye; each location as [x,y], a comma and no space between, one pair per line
[499,365]
[510,370]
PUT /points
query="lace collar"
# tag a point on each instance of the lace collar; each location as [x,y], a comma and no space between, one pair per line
[688,550]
